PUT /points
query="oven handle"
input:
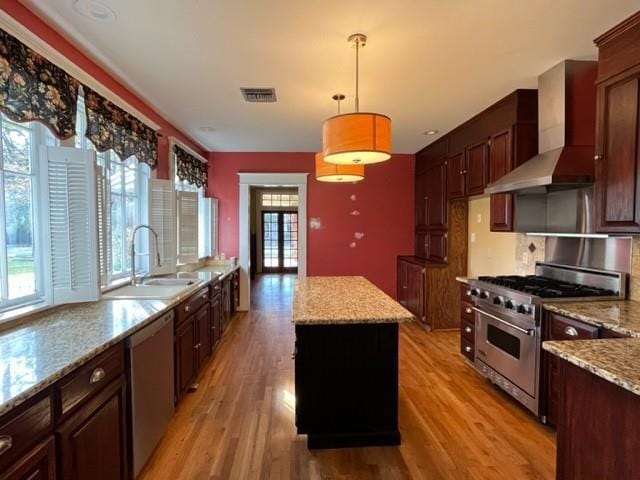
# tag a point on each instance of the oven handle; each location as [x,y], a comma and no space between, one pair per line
[530,332]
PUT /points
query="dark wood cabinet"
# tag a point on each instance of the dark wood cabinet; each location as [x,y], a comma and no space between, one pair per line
[411,285]
[467,323]
[215,325]
[421,199]
[596,416]
[500,163]
[617,186]
[185,356]
[202,320]
[38,464]
[476,169]
[436,195]
[92,441]
[456,175]
[436,243]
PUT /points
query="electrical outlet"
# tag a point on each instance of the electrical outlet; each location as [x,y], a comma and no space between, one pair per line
[479,218]
[473,237]
[525,258]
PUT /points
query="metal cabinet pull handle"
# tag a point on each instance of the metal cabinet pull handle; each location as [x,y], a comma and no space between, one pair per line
[6,442]
[96,376]
[203,296]
[572,332]
[469,294]
[467,329]
[294,353]
[187,308]
[467,349]
[468,310]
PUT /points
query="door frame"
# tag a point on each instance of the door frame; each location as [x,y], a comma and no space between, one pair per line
[281,268]
[264,179]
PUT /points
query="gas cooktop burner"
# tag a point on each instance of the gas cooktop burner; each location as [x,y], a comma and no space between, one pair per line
[546,287]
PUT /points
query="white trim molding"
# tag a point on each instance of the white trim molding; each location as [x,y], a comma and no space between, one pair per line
[31,40]
[248,180]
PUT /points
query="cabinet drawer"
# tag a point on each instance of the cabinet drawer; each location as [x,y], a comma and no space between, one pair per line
[191,305]
[465,292]
[19,431]
[38,464]
[89,379]
[215,289]
[563,328]
[467,330]
[467,313]
[467,349]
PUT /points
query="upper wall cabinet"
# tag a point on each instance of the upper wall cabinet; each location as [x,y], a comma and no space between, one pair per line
[617,187]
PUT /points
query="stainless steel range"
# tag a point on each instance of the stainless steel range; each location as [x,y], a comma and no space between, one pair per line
[508,313]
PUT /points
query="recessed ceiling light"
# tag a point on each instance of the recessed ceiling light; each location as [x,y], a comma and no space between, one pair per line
[430,132]
[94,10]
[207,129]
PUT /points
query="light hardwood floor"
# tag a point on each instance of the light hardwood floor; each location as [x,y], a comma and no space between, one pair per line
[239,424]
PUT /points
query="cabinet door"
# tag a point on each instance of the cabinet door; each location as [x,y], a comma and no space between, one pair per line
[476,171]
[214,315]
[185,356]
[203,345]
[38,464]
[422,244]
[435,195]
[415,290]
[92,441]
[455,176]
[500,163]
[437,246]
[402,283]
[618,148]
[421,199]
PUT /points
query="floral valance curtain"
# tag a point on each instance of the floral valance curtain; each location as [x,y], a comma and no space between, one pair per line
[111,128]
[190,169]
[33,88]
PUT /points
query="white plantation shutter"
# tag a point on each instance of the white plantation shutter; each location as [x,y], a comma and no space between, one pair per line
[187,226]
[162,218]
[103,212]
[69,190]
[214,226]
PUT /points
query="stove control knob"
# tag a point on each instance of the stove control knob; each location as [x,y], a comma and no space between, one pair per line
[484,294]
[509,304]
[525,309]
[498,301]
[475,292]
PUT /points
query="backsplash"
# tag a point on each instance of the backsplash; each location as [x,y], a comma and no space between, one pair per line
[634,281]
[529,250]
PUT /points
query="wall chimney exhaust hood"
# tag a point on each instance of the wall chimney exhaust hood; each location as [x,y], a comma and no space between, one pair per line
[566,133]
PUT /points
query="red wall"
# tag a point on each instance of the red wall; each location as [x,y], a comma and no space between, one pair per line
[384,200]
[54,39]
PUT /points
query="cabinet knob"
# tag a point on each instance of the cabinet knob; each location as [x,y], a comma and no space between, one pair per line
[572,332]
[6,442]
[468,292]
[597,157]
[467,349]
[96,376]
[467,329]
[187,308]
[468,310]
[203,296]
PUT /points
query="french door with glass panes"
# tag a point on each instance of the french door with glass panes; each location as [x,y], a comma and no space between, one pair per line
[279,241]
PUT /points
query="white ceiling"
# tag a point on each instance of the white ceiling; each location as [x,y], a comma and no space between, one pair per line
[429,64]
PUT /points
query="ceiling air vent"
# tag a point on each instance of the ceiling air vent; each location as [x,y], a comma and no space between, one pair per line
[259,95]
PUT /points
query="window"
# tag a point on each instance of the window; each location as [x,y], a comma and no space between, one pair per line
[20,263]
[125,184]
[207,217]
[279,199]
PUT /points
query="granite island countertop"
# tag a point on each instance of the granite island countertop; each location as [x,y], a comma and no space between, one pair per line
[621,316]
[46,346]
[615,360]
[344,300]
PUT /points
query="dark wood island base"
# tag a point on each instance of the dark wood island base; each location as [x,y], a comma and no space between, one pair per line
[346,380]
[346,362]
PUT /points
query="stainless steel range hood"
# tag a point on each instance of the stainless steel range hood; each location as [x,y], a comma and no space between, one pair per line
[566,133]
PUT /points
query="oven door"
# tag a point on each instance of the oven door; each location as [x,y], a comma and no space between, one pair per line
[508,348]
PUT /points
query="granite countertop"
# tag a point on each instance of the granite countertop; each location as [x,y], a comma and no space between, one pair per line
[48,345]
[344,300]
[622,316]
[615,360]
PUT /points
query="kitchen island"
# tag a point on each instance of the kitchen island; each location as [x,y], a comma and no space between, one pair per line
[346,362]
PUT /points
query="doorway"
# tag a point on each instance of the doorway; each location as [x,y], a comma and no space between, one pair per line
[249,241]
[279,241]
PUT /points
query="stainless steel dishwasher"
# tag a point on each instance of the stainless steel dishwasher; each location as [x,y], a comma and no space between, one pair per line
[151,370]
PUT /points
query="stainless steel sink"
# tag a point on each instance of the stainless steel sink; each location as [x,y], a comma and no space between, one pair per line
[158,288]
[169,282]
